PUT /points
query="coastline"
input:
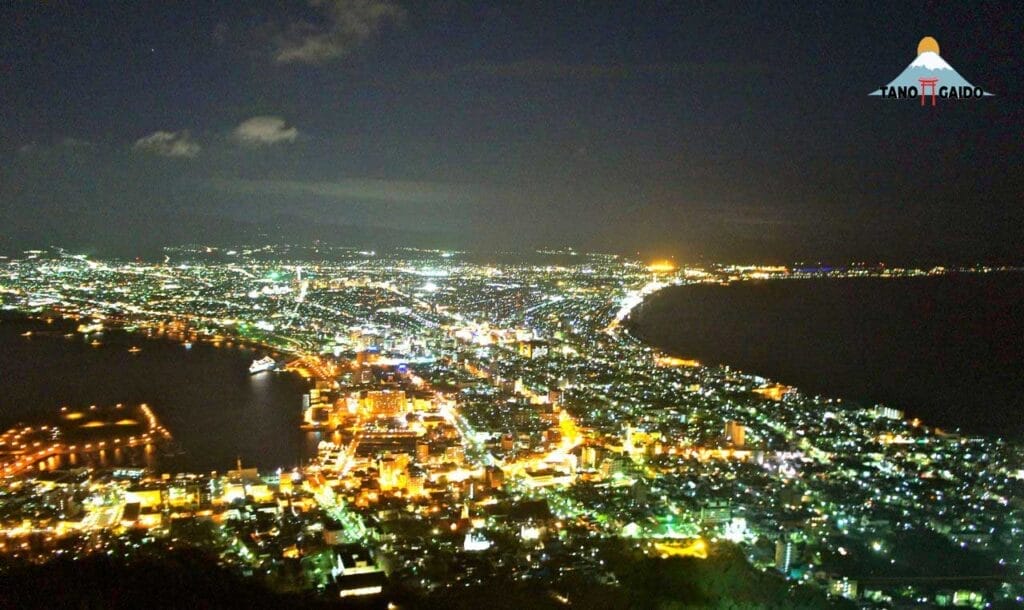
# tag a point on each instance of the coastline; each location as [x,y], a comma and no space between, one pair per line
[151,330]
[654,334]
[201,399]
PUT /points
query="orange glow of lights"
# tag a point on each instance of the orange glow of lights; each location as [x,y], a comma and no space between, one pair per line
[662,266]
[774,392]
[672,361]
[698,548]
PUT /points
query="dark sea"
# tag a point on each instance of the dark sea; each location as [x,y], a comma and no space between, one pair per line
[216,411]
[948,349]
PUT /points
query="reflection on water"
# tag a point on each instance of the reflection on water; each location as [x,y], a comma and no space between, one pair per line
[148,456]
[204,395]
[313,438]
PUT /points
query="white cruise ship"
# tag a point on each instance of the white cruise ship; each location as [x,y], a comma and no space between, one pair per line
[265,363]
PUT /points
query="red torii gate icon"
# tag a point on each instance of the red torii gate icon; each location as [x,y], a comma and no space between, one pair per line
[925,83]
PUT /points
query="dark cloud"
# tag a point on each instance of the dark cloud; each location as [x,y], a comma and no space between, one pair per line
[264,131]
[339,27]
[720,128]
[168,144]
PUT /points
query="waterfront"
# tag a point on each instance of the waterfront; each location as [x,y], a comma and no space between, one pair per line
[947,349]
[205,396]
[478,412]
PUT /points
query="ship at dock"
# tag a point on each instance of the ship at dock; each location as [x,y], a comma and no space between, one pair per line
[265,363]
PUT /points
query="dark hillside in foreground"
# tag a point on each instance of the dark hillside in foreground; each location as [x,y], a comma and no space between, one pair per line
[192,579]
[178,579]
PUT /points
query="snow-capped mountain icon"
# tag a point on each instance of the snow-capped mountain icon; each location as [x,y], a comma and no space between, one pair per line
[929,65]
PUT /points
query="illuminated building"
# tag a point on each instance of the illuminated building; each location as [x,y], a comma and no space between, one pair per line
[385,402]
[531,532]
[454,453]
[735,433]
[715,511]
[366,357]
[590,457]
[476,542]
[392,471]
[355,573]
[843,587]
[784,555]
[887,412]
[533,349]
[774,392]
[495,477]
[243,483]
[422,452]
[390,441]
[546,477]
[422,401]
[144,497]
[416,481]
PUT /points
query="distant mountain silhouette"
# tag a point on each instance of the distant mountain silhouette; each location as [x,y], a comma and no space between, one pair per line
[97,233]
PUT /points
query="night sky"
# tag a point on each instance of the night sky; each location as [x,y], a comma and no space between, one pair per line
[723,131]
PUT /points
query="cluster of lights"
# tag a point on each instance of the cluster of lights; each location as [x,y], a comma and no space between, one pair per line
[24,453]
[651,418]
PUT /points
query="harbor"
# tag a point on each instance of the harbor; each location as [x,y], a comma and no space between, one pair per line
[199,386]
